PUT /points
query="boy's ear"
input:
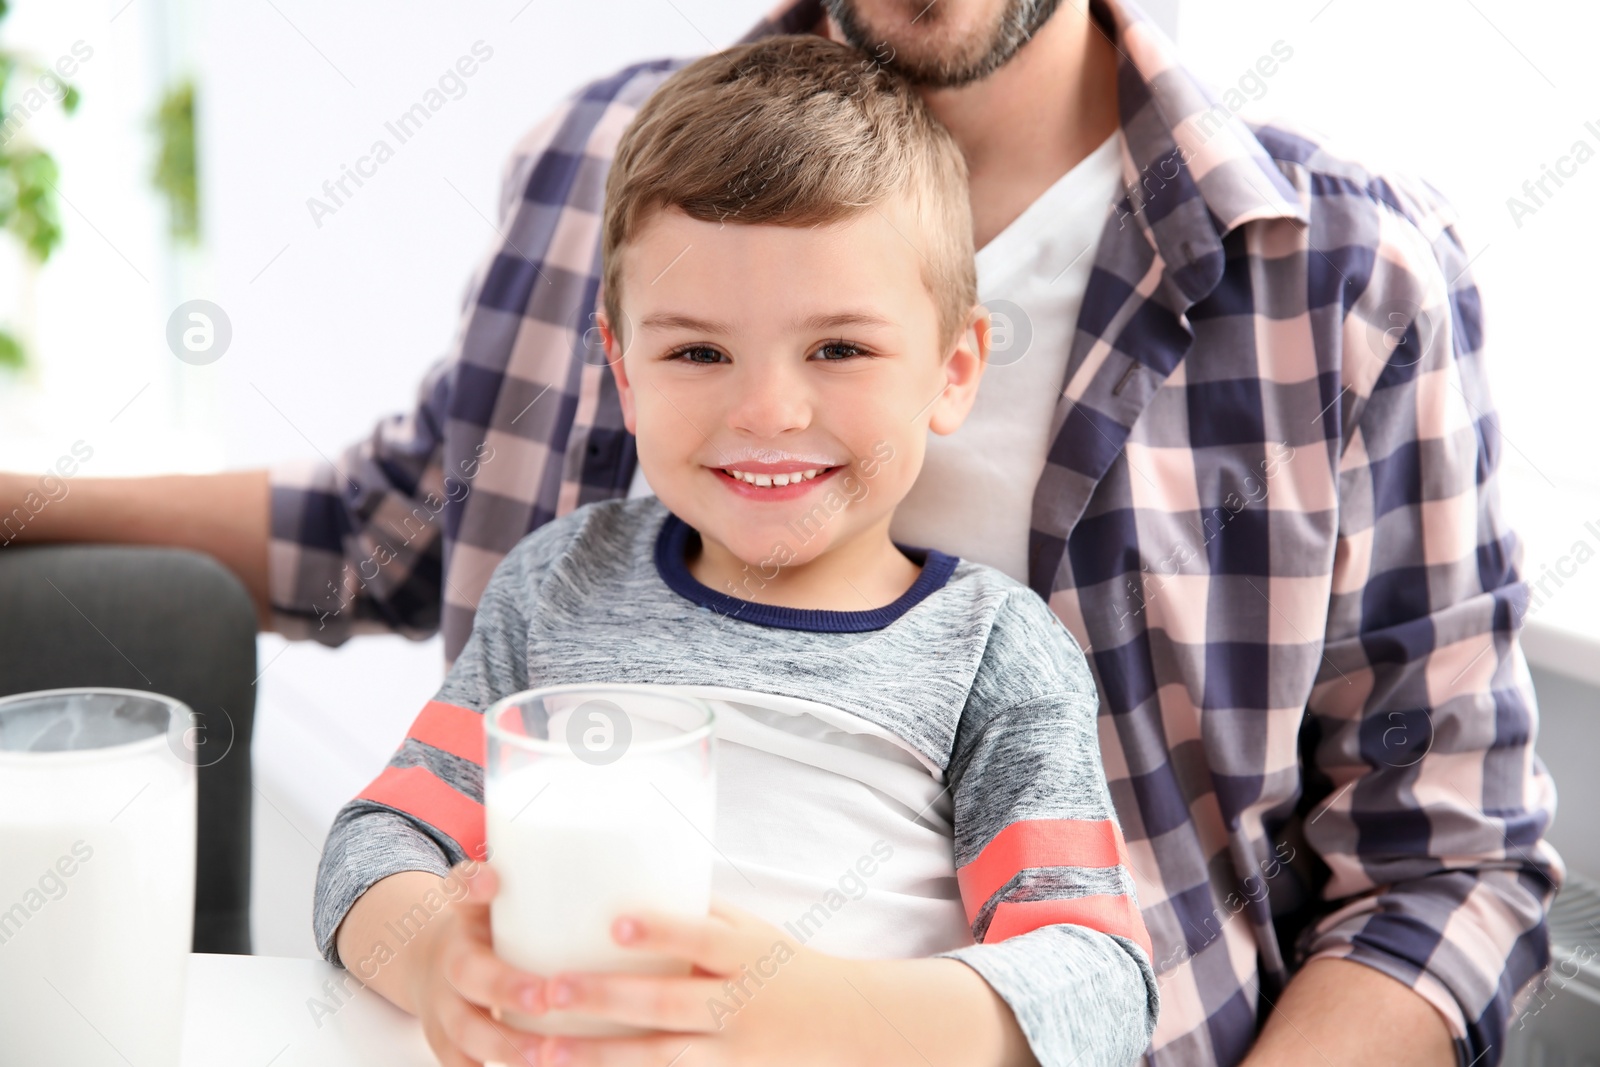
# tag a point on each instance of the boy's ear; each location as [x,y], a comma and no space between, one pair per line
[963,369]
[613,346]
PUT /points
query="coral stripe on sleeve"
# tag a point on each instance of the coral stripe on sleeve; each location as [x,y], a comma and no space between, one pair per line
[418,792]
[1037,843]
[450,728]
[1105,912]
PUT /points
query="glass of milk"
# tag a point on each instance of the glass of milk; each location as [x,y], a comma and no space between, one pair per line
[97,832]
[599,802]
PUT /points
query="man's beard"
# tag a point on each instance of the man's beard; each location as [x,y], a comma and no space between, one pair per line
[954,65]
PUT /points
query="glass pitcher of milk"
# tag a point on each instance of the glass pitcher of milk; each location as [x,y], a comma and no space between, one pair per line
[97,832]
[599,801]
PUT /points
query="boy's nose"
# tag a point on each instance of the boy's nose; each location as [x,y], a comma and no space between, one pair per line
[767,402]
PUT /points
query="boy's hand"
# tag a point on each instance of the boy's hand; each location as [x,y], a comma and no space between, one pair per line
[755,997]
[458,979]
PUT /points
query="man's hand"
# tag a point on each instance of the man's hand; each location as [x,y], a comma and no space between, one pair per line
[757,998]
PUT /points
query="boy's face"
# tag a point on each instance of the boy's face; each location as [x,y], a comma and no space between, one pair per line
[774,349]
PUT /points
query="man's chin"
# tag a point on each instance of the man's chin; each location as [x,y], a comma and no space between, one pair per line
[936,46]
[914,36]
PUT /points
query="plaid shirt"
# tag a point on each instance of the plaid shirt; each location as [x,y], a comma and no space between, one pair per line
[1269,513]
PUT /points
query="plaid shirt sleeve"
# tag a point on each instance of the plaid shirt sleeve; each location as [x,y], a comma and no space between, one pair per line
[358,543]
[1422,721]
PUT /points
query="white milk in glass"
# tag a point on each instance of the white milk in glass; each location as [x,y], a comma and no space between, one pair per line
[96,904]
[576,846]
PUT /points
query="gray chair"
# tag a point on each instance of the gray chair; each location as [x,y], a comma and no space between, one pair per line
[167,621]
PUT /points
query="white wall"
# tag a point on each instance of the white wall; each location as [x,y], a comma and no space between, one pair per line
[338,329]
[93,315]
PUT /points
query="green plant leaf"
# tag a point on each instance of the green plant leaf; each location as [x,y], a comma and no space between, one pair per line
[174,176]
[11,352]
[35,218]
[28,177]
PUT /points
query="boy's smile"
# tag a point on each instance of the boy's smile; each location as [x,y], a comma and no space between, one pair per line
[754,355]
[774,481]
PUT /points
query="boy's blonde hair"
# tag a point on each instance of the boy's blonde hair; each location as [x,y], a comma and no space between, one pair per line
[794,131]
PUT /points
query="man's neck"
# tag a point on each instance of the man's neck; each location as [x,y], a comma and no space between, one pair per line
[1034,119]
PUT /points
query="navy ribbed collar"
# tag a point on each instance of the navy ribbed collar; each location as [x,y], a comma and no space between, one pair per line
[672,545]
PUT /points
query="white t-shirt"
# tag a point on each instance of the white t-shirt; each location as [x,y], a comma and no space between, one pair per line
[974,495]
[854,786]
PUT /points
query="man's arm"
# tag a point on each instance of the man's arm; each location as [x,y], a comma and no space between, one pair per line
[1311,1022]
[223,515]
[325,550]
[1420,730]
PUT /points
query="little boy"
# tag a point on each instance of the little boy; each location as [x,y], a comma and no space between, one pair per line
[910,794]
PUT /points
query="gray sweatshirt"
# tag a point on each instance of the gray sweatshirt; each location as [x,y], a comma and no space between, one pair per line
[968,679]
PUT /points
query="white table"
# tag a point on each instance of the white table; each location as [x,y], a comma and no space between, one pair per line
[252,1011]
